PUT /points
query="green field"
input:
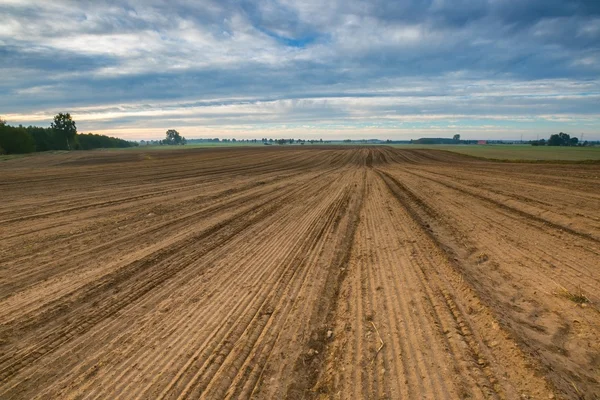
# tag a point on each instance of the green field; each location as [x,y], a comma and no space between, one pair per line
[517,152]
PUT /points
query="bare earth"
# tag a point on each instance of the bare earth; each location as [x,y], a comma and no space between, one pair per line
[342,273]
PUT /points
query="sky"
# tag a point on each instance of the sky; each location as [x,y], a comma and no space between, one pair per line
[337,69]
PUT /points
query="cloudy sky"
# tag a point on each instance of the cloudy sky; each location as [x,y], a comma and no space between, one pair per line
[304,68]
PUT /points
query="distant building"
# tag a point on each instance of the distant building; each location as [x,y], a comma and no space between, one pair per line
[482,142]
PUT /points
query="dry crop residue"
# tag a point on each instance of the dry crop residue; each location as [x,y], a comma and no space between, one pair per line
[298,272]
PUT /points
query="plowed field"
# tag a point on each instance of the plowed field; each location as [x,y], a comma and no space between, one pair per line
[342,273]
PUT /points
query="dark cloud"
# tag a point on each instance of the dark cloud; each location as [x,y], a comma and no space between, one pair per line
[276,19]
[456,13]
[50,60]
[531,11]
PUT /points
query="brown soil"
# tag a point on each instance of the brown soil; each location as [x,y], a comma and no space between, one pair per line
[294,272]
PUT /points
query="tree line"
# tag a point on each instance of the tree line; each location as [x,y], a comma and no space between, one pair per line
[559,139]
[61,135]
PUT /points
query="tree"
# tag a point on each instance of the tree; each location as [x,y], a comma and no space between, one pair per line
[45,138]
[554,140]
[541,142]
[91,141]
[173,138]
[65,129]
[562,139]
[15,140]
[456,138]
[2,123]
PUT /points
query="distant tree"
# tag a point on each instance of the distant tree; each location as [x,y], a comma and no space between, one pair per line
[46,138]
[2,123]
[562,139]
[456,138]
[65,130]
[91,141]
[541,142]
[565,138]
[15,140]
[174,138]
[573,141]
[554,140]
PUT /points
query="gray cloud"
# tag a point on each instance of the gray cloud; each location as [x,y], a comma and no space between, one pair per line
[266,62]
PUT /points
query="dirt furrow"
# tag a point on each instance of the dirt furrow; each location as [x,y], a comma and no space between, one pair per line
[542,222]
[154,234]
[531,289]
[297,272]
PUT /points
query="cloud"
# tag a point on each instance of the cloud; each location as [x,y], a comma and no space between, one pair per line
[367,67]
